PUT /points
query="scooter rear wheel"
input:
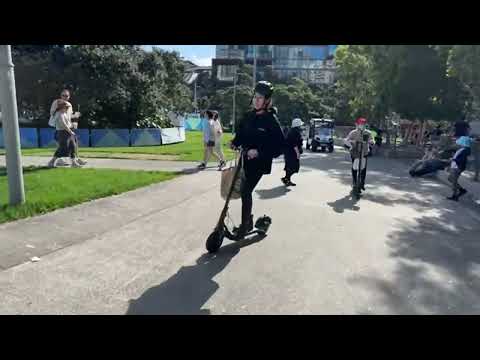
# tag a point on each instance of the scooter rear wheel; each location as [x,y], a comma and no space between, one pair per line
[214,241]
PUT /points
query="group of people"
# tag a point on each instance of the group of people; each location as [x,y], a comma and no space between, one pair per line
[65,122]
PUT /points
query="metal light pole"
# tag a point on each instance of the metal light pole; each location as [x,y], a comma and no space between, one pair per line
[195,93]
[8,103]
[234,98]
[254,65]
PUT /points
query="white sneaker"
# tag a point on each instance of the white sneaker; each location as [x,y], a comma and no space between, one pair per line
[61,162]
[76,164]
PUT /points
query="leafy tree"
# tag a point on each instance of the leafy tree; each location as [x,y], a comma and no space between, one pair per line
[116,85]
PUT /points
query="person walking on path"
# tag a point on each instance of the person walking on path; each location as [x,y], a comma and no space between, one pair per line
[261,140]
[218,139]
[65,96]
[293,150]
[210,139]
[458,165]
[353,142]
[65,135]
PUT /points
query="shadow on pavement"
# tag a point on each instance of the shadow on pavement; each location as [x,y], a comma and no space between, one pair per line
[348,202]
[190,288]
[388,182]
[273,193]
[437,265]
[436,254]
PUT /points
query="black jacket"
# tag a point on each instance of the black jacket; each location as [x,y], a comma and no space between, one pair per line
[263,133]
[461,158]
[294,138]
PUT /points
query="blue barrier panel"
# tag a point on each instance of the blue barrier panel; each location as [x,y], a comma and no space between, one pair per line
[173,135]
[83,136]
[1,139]
[193,124]
[110,137]
[47,137]
[28,137]
[145,137]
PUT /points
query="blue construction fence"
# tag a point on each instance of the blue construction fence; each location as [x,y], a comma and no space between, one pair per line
[44,137]
[193,122]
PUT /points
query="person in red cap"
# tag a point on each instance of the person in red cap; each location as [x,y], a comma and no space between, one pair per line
[353,143]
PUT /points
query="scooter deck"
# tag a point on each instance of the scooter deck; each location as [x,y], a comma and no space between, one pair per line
[230,236]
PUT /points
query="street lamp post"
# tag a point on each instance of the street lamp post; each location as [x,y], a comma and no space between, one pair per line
[254,65]
[195,94]
[234,99]
[8,103]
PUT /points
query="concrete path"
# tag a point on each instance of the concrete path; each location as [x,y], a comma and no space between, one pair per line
[402,249]
[152,165]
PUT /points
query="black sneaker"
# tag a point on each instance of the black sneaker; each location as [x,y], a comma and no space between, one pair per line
[462,192]
[202,167]
[221,165]
[291,184]
[284,181]
[241,231]
[453,198]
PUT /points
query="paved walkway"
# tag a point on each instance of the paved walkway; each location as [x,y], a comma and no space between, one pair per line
[402,249]
[151,165]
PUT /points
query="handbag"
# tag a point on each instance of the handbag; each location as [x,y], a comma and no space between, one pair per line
[52,121]
[227,180]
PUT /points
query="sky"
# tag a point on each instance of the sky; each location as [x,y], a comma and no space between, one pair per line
[200,55]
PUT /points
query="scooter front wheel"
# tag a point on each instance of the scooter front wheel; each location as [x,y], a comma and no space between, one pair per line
[214,241]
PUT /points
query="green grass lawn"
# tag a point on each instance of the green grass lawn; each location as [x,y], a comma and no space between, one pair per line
[190,150]
[50,189]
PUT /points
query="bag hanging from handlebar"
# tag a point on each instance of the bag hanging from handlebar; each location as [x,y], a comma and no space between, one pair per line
[228,175]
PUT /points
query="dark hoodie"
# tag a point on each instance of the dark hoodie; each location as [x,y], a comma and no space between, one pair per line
[263,133]
[461,158]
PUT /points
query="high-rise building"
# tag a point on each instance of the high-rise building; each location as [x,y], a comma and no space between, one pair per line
[312,63]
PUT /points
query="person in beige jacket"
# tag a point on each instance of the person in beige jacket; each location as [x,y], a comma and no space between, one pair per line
[212,137]
[64,135]
[65,96]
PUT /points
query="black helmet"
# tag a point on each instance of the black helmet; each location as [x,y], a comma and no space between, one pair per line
[264,88]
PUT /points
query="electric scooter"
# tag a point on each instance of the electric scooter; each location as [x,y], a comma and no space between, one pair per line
[221,231]
[358,181]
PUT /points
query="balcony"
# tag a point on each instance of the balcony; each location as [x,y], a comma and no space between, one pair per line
[230,54]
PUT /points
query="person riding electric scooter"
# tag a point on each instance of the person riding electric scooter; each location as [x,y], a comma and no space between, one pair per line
[358,142]
[261,139]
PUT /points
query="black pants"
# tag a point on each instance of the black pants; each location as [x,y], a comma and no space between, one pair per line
[66,144]
[252,177]
[289,173]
